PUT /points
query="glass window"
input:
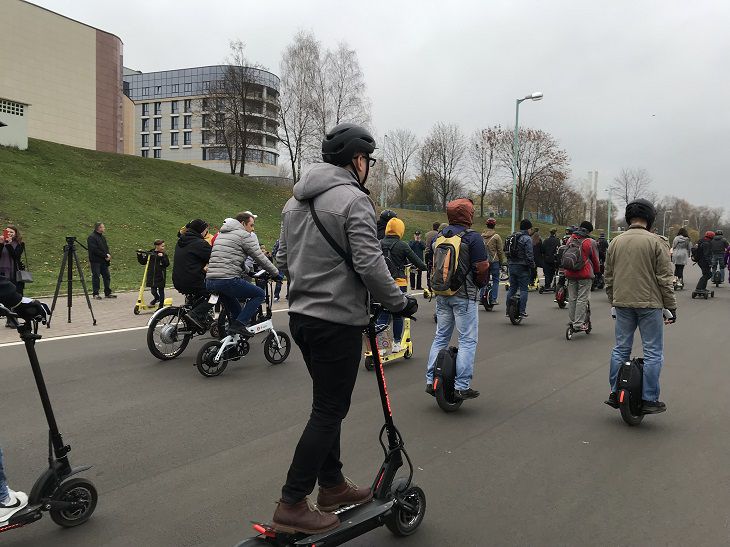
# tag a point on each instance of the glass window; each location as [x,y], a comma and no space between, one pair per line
[145,153]
[158,89]
[158,109]
[204,137]
[188,122]
[158,154]
[145,109]
[158,124]
[187,138]
[219,138]
[173,106]
[145,140]
[145,91]
[205,104]
[204,120]
[176,88]
[188,87]
[187,105]
[158,139]
[219,117]
[173,122]
[145,125]
[173,139]
[206,85]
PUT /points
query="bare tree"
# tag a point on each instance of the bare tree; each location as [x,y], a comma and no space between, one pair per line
[349,101]
[445,149]
[400,153]
[219,132]
[538,157]
[482,156]
[557,197]
[631,184]
[299,71]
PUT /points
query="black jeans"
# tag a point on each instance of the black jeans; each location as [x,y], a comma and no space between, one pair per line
[416,279]
[332,353]
[549,271]
[706,276]
[679,271]
[158,294]
[97,270]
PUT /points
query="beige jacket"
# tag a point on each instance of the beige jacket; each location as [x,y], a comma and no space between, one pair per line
[638,271]
[494,245]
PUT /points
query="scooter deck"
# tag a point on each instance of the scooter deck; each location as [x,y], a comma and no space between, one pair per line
[354,521]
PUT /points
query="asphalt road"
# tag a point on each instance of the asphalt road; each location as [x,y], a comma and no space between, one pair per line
[538,459]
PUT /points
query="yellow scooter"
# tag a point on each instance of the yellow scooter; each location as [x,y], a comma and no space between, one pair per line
[385,343]
[141,305]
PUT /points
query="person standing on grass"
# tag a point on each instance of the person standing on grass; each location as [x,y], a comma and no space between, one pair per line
[100,259]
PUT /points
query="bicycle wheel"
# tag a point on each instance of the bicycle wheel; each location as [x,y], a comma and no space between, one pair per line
[168,334]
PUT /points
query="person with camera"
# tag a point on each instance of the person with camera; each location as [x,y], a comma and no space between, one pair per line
[234,243]
[99,259]
[11,501]
[330,253]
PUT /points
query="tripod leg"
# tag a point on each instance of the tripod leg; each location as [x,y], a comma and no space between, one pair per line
[70,287]
[58,287]
[83,284]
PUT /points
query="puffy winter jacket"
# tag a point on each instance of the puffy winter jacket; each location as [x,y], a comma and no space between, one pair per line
[681,247]
[192,253]
[718,245]
[230,250]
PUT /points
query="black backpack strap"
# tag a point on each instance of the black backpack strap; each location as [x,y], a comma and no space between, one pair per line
[339,250]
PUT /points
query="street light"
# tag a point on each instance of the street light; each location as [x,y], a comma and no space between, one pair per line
[608,232]
[536,96]
[664,225]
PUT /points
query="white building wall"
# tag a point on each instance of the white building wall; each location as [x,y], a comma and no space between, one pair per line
[14,116]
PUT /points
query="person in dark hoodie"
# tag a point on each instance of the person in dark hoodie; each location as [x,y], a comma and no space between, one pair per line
[520,267]
[156,271]
[461,309]
[99,259]
[717,248]
[329,252]
[383,220]
[192,254]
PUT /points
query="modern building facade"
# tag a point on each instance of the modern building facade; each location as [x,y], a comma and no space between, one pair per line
[70,72]
[174,117]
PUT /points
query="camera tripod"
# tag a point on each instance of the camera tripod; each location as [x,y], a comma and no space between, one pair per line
[69,258]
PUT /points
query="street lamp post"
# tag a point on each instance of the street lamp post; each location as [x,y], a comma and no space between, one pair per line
[536,96]
[608,232]
[664,224]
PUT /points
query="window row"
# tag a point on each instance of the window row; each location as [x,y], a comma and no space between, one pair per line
[174,107]
[157,139]
[174,88]
[174,123]
[257,156]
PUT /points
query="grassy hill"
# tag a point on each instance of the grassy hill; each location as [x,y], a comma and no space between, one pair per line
[51,191]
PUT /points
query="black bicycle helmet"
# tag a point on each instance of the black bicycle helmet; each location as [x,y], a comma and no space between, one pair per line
[641,208]
[344,141]
[718,232]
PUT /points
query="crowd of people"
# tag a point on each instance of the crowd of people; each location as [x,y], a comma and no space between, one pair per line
[336,254]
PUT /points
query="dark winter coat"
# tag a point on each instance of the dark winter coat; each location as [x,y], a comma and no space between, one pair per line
[9,297]
[417,247]
[15,252]
[524,250]
[157,270]
[602,244]
[401,254]
[98,248]
[718,244]
[192,253]
[382,223]
[550,250]
[537,250]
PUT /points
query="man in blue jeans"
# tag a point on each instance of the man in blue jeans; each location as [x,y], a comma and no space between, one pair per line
[225,268]
[460,310]
[521,262]
[495,253]
[639,285]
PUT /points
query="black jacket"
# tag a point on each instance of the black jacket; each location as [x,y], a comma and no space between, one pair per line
[16,256]
[9,297]
[401,254]
[156,273]
[550,250]
[98,248]
[192,253]
[718,244]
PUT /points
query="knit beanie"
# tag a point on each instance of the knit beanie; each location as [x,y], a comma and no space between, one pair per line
[525,224]
[197,225]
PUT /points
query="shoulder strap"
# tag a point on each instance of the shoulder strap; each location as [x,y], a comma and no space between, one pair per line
[332,243]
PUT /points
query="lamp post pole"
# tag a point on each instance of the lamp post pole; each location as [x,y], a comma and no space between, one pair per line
[608,232]
[536,96]
[664,224]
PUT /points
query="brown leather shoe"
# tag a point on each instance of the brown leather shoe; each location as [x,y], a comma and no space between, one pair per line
[347,493]
[291,518]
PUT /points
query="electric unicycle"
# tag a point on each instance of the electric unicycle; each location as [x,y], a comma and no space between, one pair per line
[513,309]
[444,377]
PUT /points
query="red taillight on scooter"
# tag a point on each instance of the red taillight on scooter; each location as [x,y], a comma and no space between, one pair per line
[435,384]
[260,529]
[621,397]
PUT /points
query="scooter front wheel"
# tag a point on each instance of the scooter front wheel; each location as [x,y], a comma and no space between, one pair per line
[569,332]
[277,354]
[82,493]
[205,361]
[404,520]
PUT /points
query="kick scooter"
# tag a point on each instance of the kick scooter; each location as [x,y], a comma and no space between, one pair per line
[397,503]
[589,326]
[141,305]
[69,501]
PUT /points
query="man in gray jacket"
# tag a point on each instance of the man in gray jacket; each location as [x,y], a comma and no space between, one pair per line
[225,269]
[328,308]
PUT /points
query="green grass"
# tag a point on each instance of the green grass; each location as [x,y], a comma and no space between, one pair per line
[51,191]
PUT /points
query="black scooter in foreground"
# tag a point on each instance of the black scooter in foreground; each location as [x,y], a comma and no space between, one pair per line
[397,503]
[70,502]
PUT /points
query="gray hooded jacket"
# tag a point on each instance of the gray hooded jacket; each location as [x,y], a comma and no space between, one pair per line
[321,284]
[229,252]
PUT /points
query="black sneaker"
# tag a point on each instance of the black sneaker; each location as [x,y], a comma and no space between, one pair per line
[653,407]
[236,327]
[429,389]
[96,297]
[612,400]
[524,314]
[466,393]
[195,321]
[110,295]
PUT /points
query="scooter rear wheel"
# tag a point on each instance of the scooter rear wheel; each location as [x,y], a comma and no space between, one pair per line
[205,361]
[276,355]
[569,332]
[77,490]
[404,522]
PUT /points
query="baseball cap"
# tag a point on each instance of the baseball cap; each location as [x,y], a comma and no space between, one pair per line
[250,213]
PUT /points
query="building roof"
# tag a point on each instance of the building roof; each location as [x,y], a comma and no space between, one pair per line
[71,19]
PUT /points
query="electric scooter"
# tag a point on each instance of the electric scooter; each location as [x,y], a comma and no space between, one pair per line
[141,305]
[69,501]
[589,326]
[444,377]
[560,289]
[397,503]
[385,343]
[213,356]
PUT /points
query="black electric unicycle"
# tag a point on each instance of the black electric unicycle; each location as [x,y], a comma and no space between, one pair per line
[444,378]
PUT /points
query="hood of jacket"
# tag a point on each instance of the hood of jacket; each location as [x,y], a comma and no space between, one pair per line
[188,237]
[319,178]
[460,212]
[231,225]
[395,227]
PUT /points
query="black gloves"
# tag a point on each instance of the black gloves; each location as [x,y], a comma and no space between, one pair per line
[674,317]
[410,309]
[32,309]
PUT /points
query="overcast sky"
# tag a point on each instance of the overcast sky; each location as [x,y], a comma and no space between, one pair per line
[627,83]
